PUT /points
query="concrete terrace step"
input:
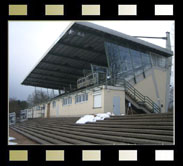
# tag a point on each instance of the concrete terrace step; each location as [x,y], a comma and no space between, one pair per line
[117,121]
[122,134]
[138,120]
[149,131]
[134,123]
[114,133]
[45,139]
[116,125]
[131,126]
[164,115]
[61,120]
[123,137]
[154,129]
[33,137]
[57,139]
[145,131]
[72,138]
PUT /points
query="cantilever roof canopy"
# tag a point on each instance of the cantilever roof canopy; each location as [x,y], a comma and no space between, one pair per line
[80,45]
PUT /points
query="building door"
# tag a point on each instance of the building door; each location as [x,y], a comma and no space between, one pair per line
[57,109]
[116,105]
[48,110]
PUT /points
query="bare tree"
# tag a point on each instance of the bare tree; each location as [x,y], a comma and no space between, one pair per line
[37,97]
[17,105]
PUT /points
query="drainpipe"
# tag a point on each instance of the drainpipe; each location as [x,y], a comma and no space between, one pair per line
[169,64]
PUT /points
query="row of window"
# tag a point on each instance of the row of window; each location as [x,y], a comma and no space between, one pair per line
[68,100]
[40,107]
[97,100]
[81,98]
[123,59]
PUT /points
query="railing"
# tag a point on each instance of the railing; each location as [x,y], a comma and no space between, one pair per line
[132,92]
[136,95]
[140,98]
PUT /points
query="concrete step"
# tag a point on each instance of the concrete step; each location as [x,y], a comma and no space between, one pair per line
[145,115]
[154,129]
[34,138]
[132,126]
[130,130]
[72,138]
[134,123]
[168,121]
[114,133]
[145,131]
[79,135]
[58,139]
[37,135]
[118,125]
[47,120]
[138,120]
[124,134]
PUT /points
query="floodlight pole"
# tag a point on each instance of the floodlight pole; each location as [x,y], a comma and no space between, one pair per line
[167,38]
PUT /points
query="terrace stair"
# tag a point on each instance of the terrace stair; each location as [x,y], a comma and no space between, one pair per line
[138,100]
[148,129]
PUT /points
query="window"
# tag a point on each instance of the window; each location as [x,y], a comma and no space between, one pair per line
[53,104]
[67,101]
[146,61]
[136,58]
[158,60]
[43,107]
[64,101]
[97,101]
[38,108]
[81,98]
[162,62]
[70,100]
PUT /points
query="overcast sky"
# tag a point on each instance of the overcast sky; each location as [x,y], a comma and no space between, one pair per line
[29,40]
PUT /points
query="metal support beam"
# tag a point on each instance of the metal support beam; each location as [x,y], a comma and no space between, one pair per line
[48,79]
[54,76]
[60,72]
[77,59]
[45,86]
[91,50]
[49,82]
[62,65]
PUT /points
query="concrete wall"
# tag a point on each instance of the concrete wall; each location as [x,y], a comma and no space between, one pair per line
[161,78]
[87,107]
[36,112]
[76,109]
[148,88]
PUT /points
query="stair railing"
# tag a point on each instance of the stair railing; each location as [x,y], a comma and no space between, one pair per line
[133,93]
[140,98]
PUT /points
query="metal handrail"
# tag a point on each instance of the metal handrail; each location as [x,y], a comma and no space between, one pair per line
[133,92]
[141,98]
